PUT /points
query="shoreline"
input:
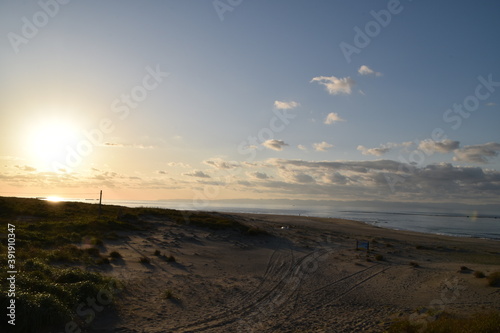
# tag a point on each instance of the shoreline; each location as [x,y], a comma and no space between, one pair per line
[359,221]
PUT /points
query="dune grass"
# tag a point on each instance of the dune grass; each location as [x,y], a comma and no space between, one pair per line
[52,236]
[484,322]
[52,278]
[494,279]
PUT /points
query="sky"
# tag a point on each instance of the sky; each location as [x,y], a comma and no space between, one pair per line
[395,101]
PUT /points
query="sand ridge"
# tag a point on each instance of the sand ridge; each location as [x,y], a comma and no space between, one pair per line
[304,276]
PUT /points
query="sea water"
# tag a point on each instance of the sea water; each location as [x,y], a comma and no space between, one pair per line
[452,224]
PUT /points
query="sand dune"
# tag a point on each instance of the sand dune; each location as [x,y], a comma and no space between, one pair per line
[307,277]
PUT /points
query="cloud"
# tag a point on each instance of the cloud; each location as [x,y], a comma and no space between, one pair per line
[260,175]
[26,168]
[477,153]
[383,148]
[199,174]
[285,105]
[491,104]
[302,147]
[322,146]
[303,178]
[274,144]
[161,172]
[373,151]
[178,164]
[122,145]
[430,146]
[395,181]
[365,70]
[332,117]
[219,163]
[335,85]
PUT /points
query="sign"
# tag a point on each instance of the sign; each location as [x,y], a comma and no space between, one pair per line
[363,245]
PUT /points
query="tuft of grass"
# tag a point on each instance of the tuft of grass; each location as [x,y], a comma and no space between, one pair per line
[144,260]
[93,251]
[479,274]
[494,280]
[168,294]
[103,261]
[169,258]
[96,241]
[157,253]
[379,257]
[255,231]
[115,255]
[487,322]
[464,269]
[414,264]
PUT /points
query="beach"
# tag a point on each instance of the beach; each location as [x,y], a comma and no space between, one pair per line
[292,274]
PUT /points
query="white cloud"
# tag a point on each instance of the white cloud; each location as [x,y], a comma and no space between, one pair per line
[178,164]
[322,146]
[274,144]
[383,148]
[430,146]
[335,85]
[373,151]
[477,153]
[491,104]
[285,105]
[302,147]
[126,145]
[365,70]
[332,117]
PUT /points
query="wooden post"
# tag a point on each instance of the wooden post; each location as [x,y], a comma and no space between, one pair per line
[100,203]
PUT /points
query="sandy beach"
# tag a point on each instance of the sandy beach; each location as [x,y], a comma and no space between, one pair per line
[303,274]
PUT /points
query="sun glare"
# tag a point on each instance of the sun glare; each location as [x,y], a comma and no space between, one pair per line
[49,140]
[54,199]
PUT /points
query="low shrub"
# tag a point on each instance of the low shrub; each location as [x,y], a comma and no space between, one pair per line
[115,255]
[479,274]
[144,260]
[494,280]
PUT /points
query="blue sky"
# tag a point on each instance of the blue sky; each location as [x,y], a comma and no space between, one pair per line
[227,71]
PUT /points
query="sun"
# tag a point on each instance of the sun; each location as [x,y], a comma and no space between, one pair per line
[50,139]
[54,199]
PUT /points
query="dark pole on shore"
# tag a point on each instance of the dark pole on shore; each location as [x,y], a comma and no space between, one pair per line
[100,203]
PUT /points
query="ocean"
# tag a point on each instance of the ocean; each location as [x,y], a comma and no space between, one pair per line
[464,224]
